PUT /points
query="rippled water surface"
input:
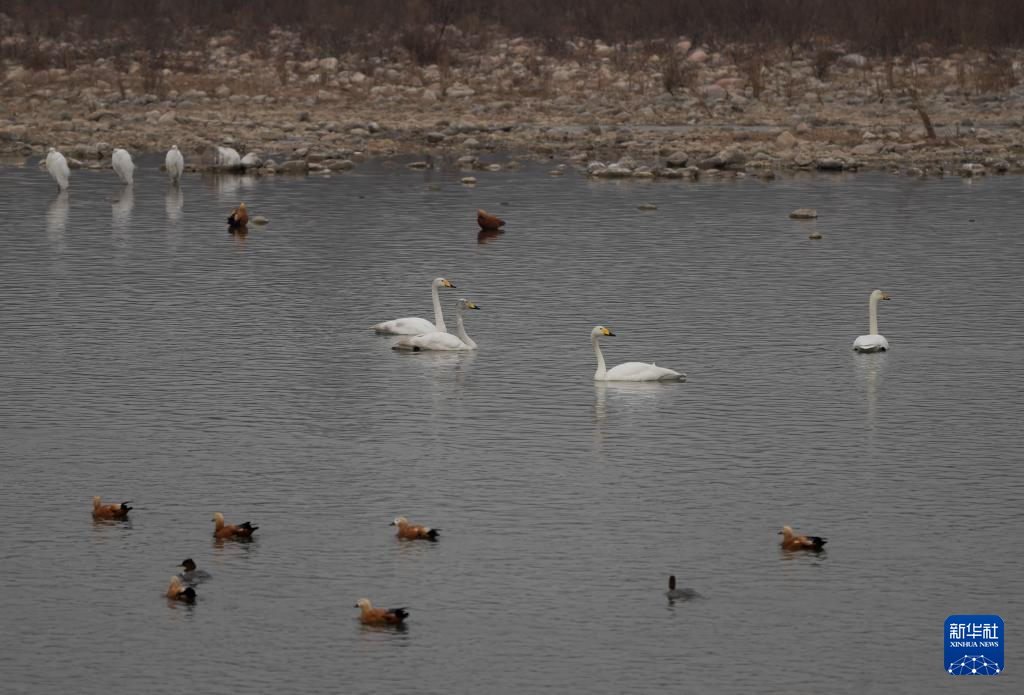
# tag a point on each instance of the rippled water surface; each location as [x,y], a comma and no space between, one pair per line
[146,354]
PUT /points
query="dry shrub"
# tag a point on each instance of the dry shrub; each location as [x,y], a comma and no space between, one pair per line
[995,74]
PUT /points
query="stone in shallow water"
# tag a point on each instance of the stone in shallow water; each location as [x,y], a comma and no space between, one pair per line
[646,206]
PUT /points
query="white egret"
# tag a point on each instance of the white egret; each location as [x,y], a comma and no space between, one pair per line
[174,163]
[57,165]
[123,165]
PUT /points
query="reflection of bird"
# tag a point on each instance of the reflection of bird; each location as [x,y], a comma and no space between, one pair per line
[123,165]
[485,236]
[57,165]
[380,616]
[109,511]
[412,531]
[174,163]
[488,221]
[628,371]
[413,325]
[441,341]
[240,216]
[179,593]
[190,574]
[675,594]
[872,342]
[790,541]
[231,531]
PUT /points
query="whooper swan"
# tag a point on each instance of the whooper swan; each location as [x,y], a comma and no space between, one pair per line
[442,341]
[872,342]
[413,325]
[628,371]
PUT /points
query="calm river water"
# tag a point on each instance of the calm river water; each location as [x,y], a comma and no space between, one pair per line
[146,354]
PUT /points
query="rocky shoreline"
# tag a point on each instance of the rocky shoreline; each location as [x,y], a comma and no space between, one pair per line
[634,110]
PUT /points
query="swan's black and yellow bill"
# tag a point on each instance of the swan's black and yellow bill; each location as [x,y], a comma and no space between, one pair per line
[605,331]
[448,283]
[471,305]
[884,296]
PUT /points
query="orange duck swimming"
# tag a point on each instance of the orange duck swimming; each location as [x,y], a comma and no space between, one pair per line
[240,217]
[178,592]
[488,221]
[411,532]
[231,531]
[380,616]
[791,541]
[109,511]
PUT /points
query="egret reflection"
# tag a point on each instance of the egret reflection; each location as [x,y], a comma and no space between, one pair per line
[174,202]
[57,217]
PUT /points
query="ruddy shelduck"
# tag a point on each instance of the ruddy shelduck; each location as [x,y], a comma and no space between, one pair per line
[380,616]
[791,541]
[675,594]
[240,216]
[109,511]
[487,221]
[411,532]
[178,592]
[231,531]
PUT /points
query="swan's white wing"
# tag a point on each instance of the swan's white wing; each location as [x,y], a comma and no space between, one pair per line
[407,326]
[641,371]
[870,343]
[431,341]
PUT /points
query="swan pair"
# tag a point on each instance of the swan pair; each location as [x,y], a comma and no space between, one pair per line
[421,334]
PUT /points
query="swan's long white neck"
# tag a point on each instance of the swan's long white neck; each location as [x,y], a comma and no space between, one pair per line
[600,358]
[438,317]
[873,315]
[460,329]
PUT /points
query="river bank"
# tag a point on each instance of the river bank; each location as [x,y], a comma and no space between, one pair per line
[614,110]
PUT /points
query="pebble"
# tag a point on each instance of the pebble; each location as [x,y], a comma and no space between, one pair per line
[646,206]
[469,180]
[804,214]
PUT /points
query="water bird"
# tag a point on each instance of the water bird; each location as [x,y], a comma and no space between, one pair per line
[228,158]
[412,532]
[872,342]
[791,541]
[487,221]
[177,592]
[442,341]
[628,371]
[190,574]
[380,616]
[414,325]
[123,165]
[675,594]
[118,510]
[174,162]
[231,531]
[57,165]
[239,217]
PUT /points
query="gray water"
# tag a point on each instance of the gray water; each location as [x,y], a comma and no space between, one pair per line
[147,354]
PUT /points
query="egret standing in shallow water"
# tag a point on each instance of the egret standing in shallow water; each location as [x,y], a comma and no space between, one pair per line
[57,165]
[123,165]
[174,163]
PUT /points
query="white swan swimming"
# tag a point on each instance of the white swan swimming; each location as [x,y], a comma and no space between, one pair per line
[174,163]
[123,165]
[628,371]
[872,342]
[413,325]
[442,341]
[57,165]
